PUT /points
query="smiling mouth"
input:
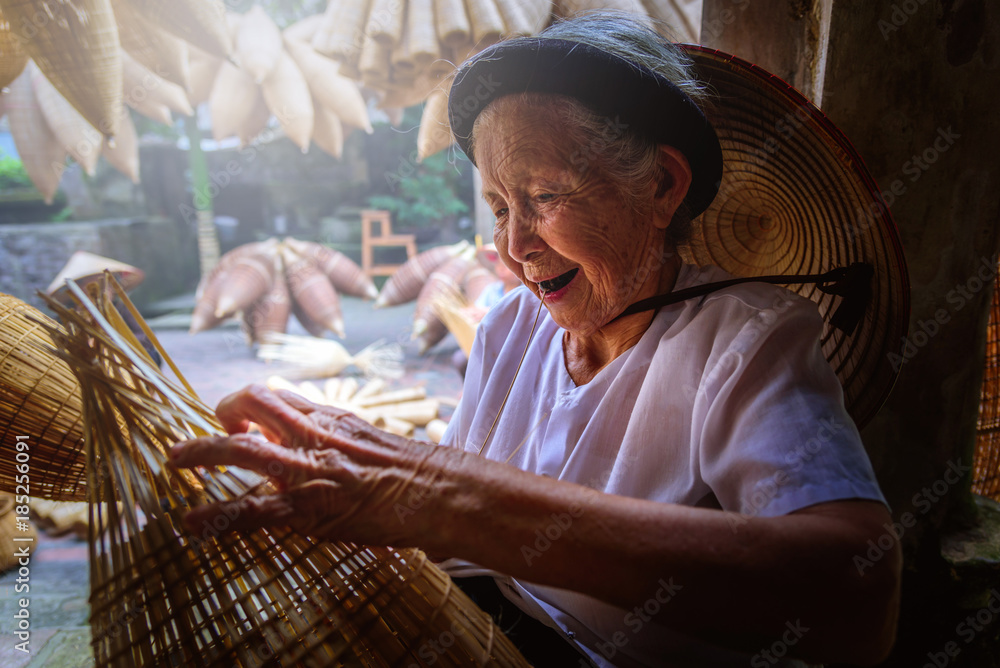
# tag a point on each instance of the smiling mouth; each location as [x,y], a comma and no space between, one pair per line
[559,282]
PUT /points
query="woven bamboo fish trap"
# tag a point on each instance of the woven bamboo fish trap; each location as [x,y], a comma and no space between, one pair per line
[199,22]
[329,87]
[231,100]
[312,292]
[428,328]
[328,131]
[39,401]
[77,48]
[268,315]
[78,137]
[986,463]
[124,155]
[258,43]
[12,56]
[345,275]
[41,152]
[161,52]
[269,597]
[287,95]
[405,283]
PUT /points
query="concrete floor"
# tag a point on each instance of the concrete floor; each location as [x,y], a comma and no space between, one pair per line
[216,363]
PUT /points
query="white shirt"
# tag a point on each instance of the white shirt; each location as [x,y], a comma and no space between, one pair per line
[725,402]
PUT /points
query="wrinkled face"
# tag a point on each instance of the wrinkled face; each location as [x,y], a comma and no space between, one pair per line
[566,232]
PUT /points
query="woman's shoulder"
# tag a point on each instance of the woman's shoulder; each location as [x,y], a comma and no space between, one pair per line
[748,299]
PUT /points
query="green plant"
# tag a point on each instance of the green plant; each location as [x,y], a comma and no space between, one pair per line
[424,198]
[12,174]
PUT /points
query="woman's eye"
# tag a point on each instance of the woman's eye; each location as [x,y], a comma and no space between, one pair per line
[546,197]
[499,213]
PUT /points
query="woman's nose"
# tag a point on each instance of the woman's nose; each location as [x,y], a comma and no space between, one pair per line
[523,240]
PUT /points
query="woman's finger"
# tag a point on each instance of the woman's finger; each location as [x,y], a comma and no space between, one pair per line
[256,403]
[245,514]
[246,451]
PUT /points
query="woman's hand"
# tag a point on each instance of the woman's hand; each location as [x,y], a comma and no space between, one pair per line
[338,477]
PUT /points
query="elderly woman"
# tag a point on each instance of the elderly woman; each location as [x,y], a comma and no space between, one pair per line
[636,480]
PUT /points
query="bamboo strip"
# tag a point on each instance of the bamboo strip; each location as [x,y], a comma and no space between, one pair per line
[396,397]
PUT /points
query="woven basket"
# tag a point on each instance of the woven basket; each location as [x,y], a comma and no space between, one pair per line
[41,152]
[12,538]
[77,49]
[288,98]
[421,41]
[487,22]
[451,22]
[12,56]
[385,22]
[200,22]
[256,122]
[683,17]
[140,82]
[345,275]
[477,279]
[124,155]
[329,88]
[312,292]
[405,283]
[375,64]
[986,463]
[204,67]
[524,17]
[304,30]
[40,400]
[443,282]
[160,51]
[435,132]
[269,315]
[247,281]
[328,131]
[78,137]
[231,101]
[258,44]
[339,35]
[161,595]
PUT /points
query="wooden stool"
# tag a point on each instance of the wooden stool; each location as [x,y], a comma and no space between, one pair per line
[384,237]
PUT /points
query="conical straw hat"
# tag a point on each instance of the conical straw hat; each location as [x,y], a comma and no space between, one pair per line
[84,267]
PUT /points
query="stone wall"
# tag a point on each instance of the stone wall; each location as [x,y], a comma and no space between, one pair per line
[32,254]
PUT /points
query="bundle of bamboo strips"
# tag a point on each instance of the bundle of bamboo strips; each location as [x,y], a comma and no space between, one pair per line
[270,596]
[398,411]
[320,358]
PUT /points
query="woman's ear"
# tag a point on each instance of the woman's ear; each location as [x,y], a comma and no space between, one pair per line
[672,184]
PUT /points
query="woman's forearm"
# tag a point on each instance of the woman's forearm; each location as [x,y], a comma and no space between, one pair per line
[725,576]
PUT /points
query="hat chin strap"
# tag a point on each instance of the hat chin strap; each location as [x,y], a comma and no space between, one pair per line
[853,284]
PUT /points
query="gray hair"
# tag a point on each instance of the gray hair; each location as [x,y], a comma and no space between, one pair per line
[627,159]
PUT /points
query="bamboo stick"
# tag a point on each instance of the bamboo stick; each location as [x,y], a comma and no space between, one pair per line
[395,397]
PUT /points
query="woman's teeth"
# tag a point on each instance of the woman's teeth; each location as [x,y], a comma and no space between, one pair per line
[558,282]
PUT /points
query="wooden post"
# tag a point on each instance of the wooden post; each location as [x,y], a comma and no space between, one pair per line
[787,38]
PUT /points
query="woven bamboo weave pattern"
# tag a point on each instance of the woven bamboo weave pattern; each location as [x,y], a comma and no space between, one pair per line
[40,400]
[161,596]
[986,463]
